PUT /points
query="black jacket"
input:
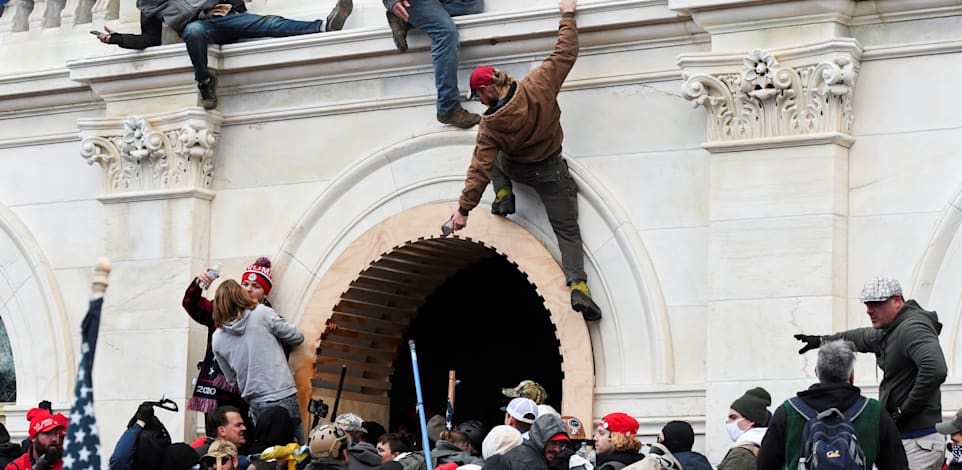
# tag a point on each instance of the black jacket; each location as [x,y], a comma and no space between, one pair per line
[326,464]
[176,13]
[771,455]
[530,454]
[912,363]
[626,458]
[693,460]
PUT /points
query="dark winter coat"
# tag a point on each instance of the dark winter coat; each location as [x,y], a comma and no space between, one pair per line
[911,359]
[821,397]
[607,461]
[530,454]
[176,13]
[363,456]
[9,451]
[326,464]
[446,452]
[692,461]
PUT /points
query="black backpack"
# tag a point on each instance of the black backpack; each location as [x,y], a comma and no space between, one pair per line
[829,440]
[153,441]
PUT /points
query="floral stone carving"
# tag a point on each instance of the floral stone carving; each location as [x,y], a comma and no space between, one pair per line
[769,100]
[165,153]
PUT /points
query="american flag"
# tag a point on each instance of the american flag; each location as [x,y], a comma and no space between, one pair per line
[82,445]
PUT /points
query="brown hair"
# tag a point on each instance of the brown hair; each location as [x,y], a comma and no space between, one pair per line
[230,301]
[622,442]
[501,80]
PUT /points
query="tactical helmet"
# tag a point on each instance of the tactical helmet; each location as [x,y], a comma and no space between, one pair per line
[475,431]
[327,441]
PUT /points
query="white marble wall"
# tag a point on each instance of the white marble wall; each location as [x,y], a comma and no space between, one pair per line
[687,248]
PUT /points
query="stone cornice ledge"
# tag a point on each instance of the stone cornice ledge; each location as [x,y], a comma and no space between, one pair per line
[156,195]
[708,62]
[836,138]
[347,53]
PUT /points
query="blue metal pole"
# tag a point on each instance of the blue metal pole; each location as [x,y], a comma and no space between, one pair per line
[420,408]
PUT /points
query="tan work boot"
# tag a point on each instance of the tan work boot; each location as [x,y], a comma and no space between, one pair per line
[460,118]
[338,15]
[399,31]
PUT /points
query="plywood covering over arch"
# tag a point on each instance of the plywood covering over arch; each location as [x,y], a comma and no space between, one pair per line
[369,277]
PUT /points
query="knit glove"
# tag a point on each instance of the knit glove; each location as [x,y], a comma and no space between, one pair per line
[811,342]
[144,412]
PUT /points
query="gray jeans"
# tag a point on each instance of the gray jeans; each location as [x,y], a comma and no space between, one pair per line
[926,452]
[559,194]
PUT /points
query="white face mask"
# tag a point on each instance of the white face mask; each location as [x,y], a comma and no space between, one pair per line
[734,431]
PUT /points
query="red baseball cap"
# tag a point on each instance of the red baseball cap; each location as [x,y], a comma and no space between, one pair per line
[482,76]
[559,437]
[44,422]
[620,422]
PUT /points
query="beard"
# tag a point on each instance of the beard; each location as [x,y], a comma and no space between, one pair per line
[52,452]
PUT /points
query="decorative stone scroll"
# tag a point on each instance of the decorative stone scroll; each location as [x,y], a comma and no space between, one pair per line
[770,100]
[171,153]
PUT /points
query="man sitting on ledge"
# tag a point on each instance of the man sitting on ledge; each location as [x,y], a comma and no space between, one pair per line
[203,22]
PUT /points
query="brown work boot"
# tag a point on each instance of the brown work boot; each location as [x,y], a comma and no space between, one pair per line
[399,31]
[338,15]
[460,118]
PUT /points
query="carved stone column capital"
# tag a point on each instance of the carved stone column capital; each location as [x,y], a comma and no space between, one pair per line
[767,102]
[153,157]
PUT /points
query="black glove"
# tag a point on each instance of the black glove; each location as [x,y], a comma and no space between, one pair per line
[144,412]
[811,342]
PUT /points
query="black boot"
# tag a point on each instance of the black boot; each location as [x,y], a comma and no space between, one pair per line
[208,93]
[581,302]
[503,204]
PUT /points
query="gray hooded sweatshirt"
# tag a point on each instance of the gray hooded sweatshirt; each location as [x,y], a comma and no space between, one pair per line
[248,351]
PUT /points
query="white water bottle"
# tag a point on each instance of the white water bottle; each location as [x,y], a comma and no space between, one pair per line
[213,272]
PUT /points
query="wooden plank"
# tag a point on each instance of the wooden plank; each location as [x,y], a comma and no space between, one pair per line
[363,340]
[372,367]
[374,281]
[422,279]
[382,298]
[367,323]
[330,347]
[326,393]
[344,330]
[446,250]
[383,383]
[348,387]
[360,307]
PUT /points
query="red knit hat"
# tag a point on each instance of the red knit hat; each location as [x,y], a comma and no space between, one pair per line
[260,272]
[44,422]
[620,422]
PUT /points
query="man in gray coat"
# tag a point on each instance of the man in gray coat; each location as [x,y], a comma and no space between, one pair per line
[905,341]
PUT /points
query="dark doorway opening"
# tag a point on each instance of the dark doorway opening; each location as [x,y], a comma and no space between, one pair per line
[488,323]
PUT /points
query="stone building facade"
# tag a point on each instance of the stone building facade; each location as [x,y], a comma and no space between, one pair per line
[743,167]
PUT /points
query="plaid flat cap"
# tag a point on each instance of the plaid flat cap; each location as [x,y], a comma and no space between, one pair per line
[879,288]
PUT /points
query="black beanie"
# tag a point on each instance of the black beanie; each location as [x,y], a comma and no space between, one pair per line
[179,456]
[679,436]
[753,405]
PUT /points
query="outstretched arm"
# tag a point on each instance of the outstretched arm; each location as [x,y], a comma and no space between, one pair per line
[149,35]
[553,71]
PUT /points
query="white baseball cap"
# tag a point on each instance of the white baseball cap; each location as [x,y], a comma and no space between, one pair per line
[523,409]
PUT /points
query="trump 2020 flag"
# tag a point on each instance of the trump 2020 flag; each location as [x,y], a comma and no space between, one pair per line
[82,445]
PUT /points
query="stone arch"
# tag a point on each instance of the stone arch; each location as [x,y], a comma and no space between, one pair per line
[938,275]
[33,312]
[424,174]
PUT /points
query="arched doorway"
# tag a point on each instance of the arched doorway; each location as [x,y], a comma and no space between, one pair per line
[397,247]
[468,308]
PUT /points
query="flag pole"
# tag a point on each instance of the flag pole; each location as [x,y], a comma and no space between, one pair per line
[449,414]
[420,407]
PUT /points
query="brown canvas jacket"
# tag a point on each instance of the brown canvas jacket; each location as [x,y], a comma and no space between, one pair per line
[528,127]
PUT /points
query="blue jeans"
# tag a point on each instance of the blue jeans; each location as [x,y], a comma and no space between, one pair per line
[289,404]
[434,18]
[227,29]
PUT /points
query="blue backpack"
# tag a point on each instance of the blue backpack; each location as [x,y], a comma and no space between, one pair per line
[829,440]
